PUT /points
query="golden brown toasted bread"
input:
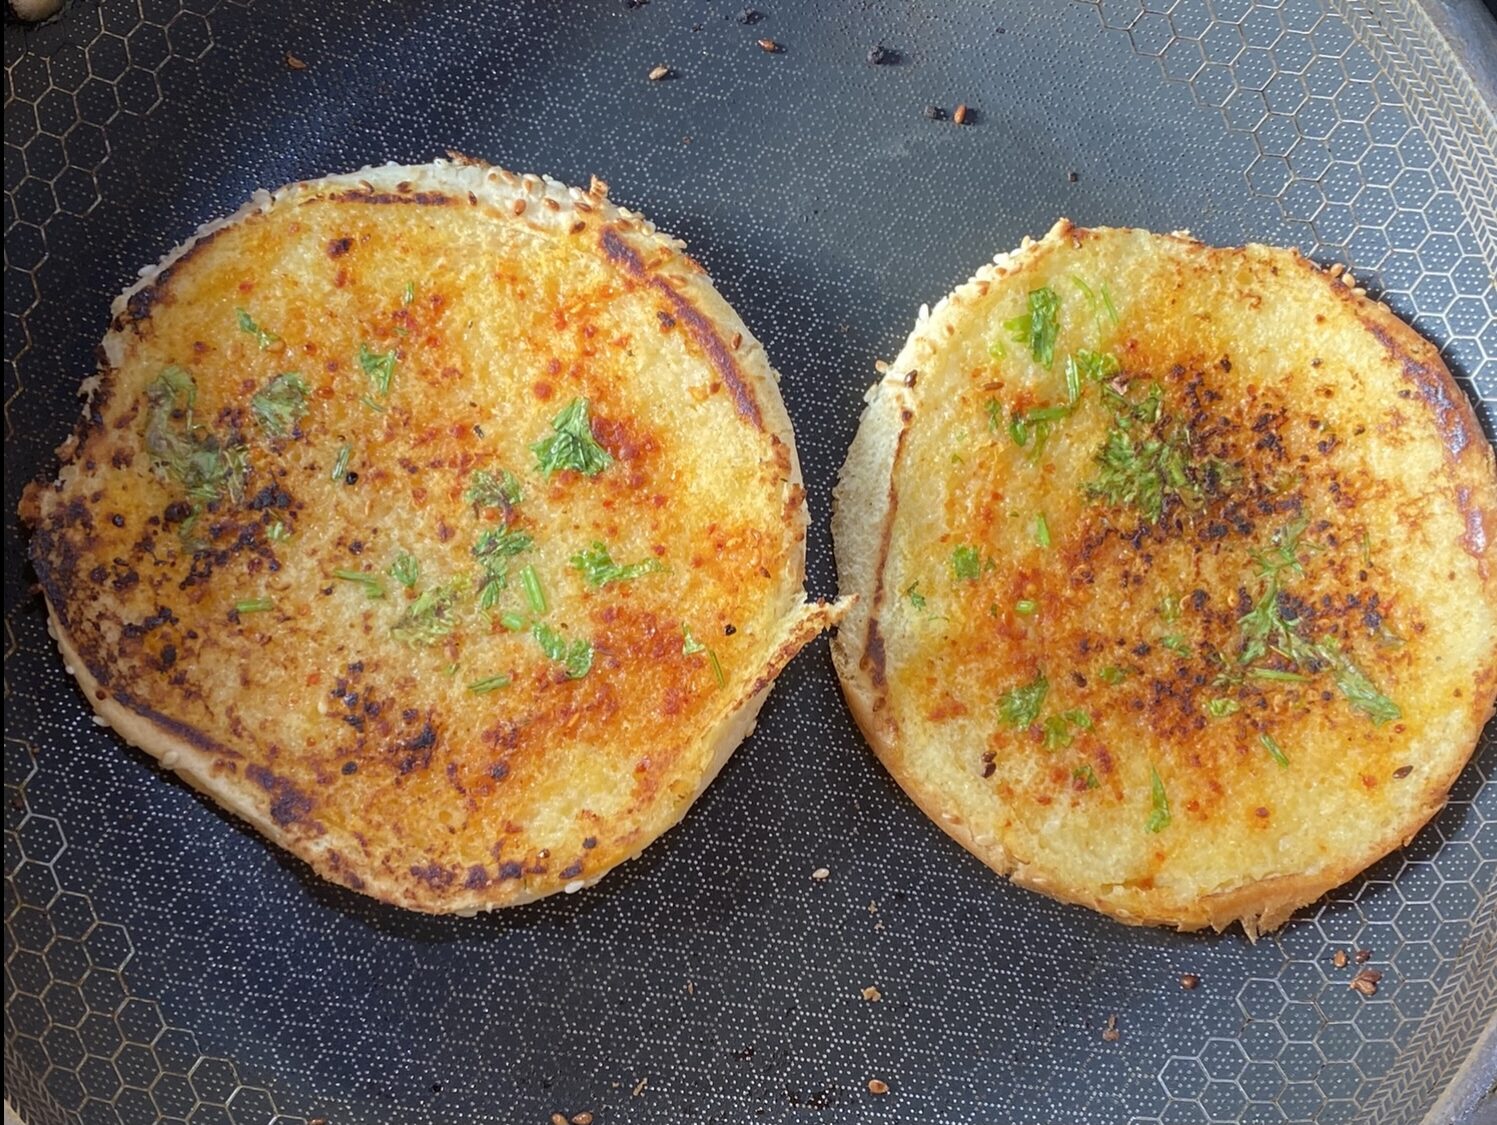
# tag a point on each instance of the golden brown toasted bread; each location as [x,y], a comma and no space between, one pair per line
[1177,598]
[444,524]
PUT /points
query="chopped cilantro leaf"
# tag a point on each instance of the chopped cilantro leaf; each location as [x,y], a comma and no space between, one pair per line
[1086,777]
[576,656]
[1112,675]
[599,569]
[1360,692]
[196,459]
[429,618]
[1026,607]
[373,587]
[277,532]
[253,605]
[917,599]
[1159,817]
[1176,644]
[247,324]
[1042,531]
[1274,750]
[494,545]
[570,445]
[492,683]
[690,646]
[1038,327]
[406,569]
[379,367]
[490,490]
[340,463]
[966,564]
[280,403]
[1020,706]
[409,294]
[1221,707]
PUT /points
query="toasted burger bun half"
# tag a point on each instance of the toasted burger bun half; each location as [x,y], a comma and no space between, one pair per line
[442,523]
[1176,597]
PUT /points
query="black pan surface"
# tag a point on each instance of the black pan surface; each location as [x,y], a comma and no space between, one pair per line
[162,962]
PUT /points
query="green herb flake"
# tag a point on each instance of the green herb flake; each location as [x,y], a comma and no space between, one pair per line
[1020,706]
[1221,707]
[1159,817]
[1078,718]
[1038,327]
[429,618]
[280,404]
[1176,644]
[278,532]
[1042,531]
[690,646]
[373,587]
[490,592]
[513,622]
[966,564]
[492,683]
[409,293]
[1085,777]
[1112,675]
[535,597]
[493,545]
[379,367]
[994,412]
[199,462]
[571,444]
[599,569]
[912,592]
[406,569]
[576,656]
[1026,607]
[1359,691]
[493,490]
[1274,750]
[247,324]
[1093,367]
[1057,732]
[253,605]
[1278,675]
[340,463]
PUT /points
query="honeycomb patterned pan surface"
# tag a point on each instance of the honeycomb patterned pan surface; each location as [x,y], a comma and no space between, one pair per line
[162,963]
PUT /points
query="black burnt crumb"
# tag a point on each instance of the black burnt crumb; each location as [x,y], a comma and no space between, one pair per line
[879,55]
[590,843]
[350,767]
[177,511]
[1198,599]
[168,656]
[117,519]
[410,714]
[350,477]
[356,547]
[729,630]
[1142,649]
[499,771]
[934,113]
[356,668]
[1072,177]
[98,575]
[1403,771]
[572,870]
[750,15]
